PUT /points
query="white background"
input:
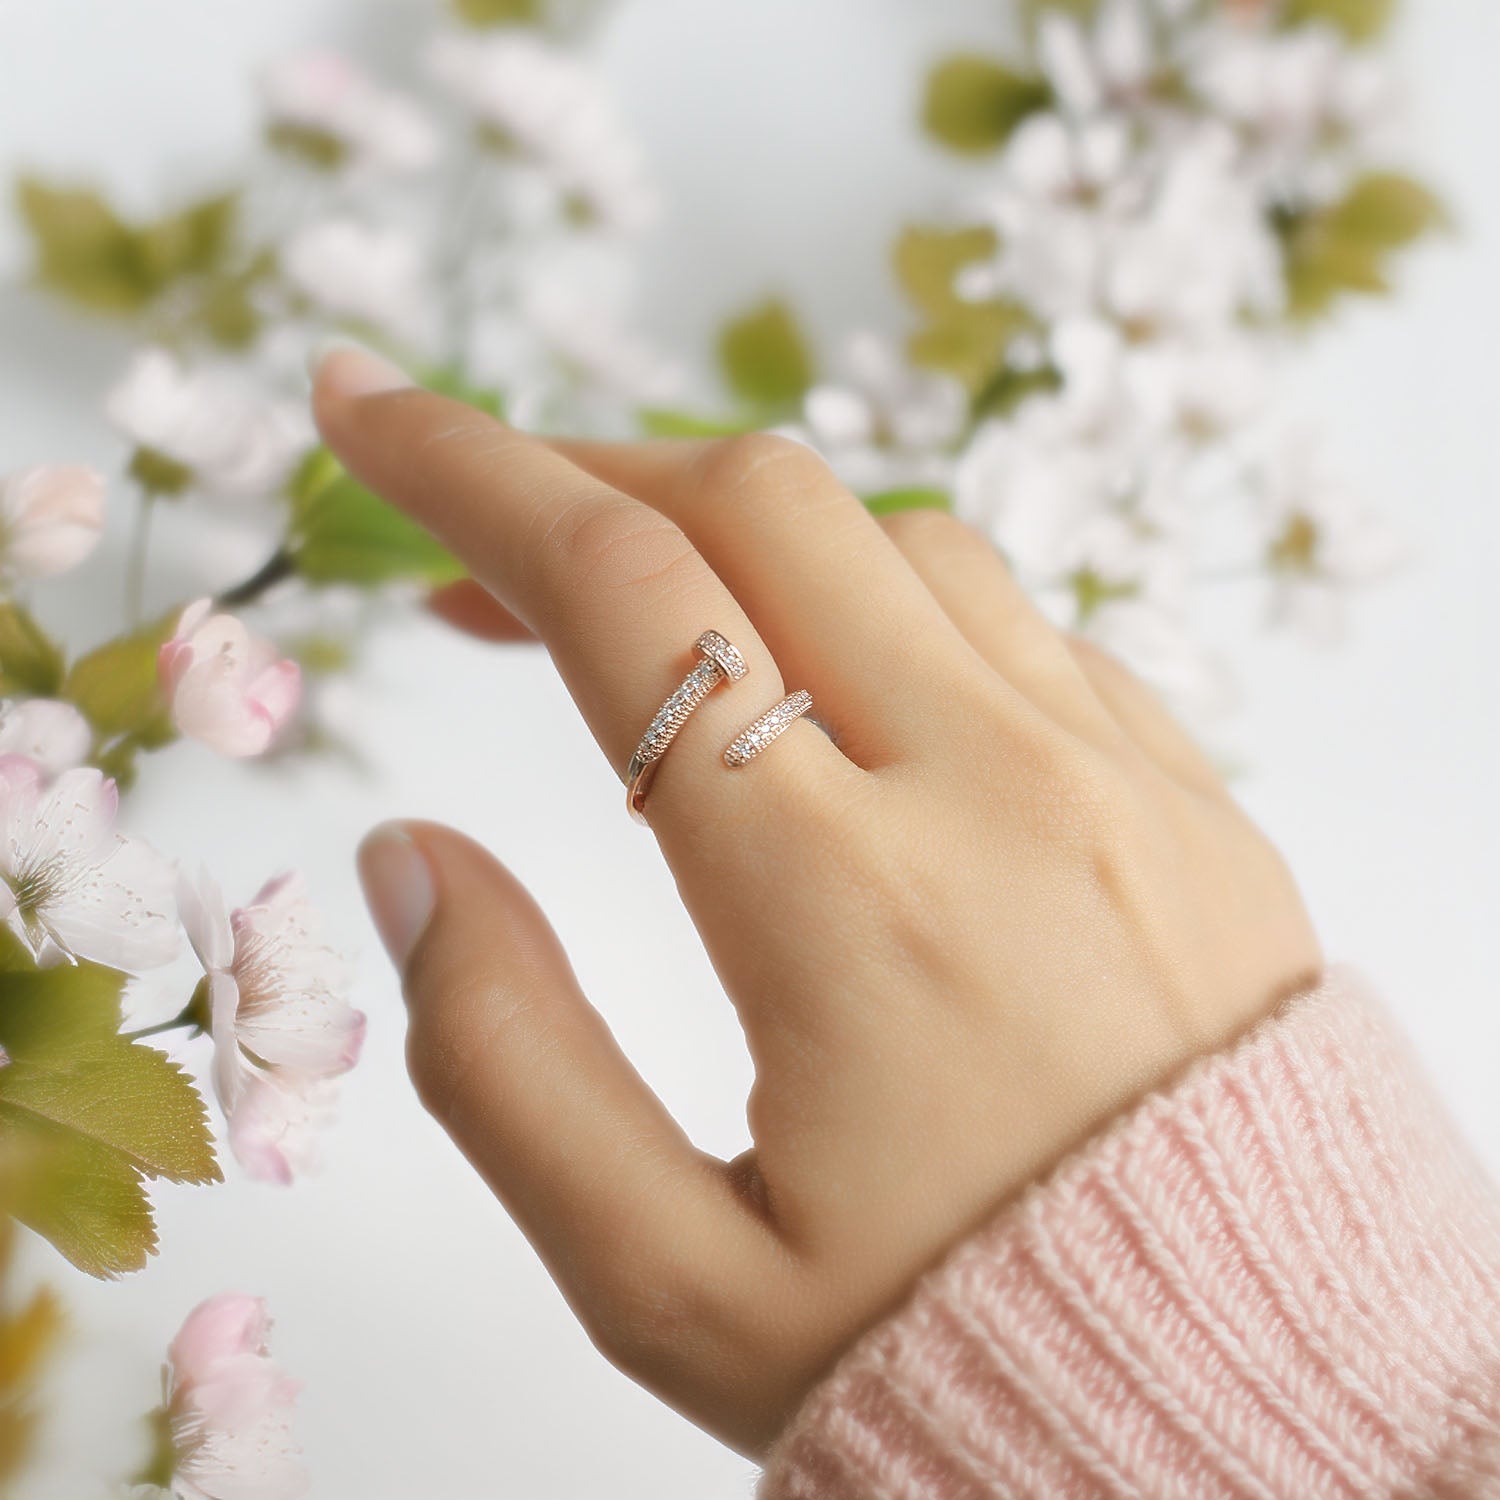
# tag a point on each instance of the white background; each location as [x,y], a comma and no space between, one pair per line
[437,1358]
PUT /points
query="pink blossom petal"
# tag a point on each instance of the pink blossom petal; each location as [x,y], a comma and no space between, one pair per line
[229,689]
[51,518]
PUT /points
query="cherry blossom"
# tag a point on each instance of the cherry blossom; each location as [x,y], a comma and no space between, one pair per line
[228,1407]
[195,429]
[323,108]
[1320,538]
[281,1024]
[70,886]
[361,274]
[229,689]
[46,731]
[1092,68]
[51,517]
[531,99]
[888,425]
[567,354]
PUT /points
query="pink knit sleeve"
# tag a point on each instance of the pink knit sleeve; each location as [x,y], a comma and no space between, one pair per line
[1279,1278]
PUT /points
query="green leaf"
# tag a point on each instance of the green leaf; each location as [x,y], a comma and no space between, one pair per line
[116,688]
[973,104]
[1009,387]
[888,502]
[342,532]
[191,242]
[498,12]
[1344,249]
[127,1097]
[765,357]
[1386,209]
[928,259]
[1359,20]
[31,662]
[92,255]
[88,1202]
[92,1114]
[658,422]
[966,339]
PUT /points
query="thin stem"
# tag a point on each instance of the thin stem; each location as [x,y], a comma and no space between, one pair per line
[135,568]
[174,1024]
[276,567]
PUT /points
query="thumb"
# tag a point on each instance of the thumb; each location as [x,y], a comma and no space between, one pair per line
[525,1077]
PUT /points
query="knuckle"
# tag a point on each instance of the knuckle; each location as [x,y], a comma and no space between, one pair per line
[750,464]
[1061,790]
[613,545]
[648,1318]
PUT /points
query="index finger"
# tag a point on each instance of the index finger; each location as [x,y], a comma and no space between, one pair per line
[612,587]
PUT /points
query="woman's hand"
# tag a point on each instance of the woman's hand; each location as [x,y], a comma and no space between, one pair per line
[1006,898]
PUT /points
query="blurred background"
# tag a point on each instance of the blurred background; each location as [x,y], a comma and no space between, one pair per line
[436,1356]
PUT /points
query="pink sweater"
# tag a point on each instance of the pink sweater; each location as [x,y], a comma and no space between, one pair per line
[1278,1278]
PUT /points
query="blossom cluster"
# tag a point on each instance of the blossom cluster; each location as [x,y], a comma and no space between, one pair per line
[1146,235]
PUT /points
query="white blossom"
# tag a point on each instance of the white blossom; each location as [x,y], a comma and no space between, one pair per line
[196,429]
[323,106]
[887,425]
[280,1018]
[47,731]
[70,886]
[540,104]
[370,276]
[1320,539]
[51,518]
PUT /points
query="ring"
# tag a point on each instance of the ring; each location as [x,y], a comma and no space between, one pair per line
[770,726]
[720,662]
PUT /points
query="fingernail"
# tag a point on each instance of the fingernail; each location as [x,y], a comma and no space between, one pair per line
[398,888]
[347,369]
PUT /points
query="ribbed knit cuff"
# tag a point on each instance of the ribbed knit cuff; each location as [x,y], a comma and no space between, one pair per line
[1278,1278]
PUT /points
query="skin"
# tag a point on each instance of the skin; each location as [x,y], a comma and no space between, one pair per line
[1001,899]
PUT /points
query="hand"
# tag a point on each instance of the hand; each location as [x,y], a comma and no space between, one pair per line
[1007,898]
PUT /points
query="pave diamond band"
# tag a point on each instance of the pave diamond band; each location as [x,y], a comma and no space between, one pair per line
[720,662]
[770,726]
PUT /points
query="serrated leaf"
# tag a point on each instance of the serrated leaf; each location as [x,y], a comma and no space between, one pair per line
[89,1114]
[115,686]
[88,1202]
[974,104]
[89,253]
[658,422]
[31,662]
[1359,20]
[765,357]
[342,532]
[125,1096]
[889,502]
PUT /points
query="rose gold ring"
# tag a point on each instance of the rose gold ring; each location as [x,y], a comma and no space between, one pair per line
[719,662]
[745,746]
